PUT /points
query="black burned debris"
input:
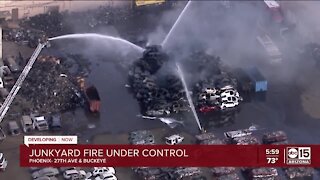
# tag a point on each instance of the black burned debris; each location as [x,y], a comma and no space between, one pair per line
[50,88]
[159,93]
[156,98]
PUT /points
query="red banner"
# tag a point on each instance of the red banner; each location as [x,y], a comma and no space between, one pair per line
[170,156]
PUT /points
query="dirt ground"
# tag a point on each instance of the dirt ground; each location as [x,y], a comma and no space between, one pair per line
[311,98]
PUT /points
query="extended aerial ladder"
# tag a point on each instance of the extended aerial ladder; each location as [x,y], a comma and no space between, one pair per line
[6,104]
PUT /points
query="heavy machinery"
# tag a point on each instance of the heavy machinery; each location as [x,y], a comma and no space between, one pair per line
[6,104]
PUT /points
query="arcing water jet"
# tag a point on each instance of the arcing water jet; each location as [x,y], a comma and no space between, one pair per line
[164,42]
[93,35]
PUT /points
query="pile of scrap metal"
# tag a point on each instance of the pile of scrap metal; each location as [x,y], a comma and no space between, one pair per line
[149,173]
[217,88]
[156,99]
[221,173]
[276,137]
[55,23]
[242,137]
[52,23]
[299,172]
[22,36]
[261,173]
[185,173]
[208,139]
[50,88]
[141,137]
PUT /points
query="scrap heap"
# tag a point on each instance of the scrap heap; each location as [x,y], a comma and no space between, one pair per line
[242,136]
[184,173]
[216,88]
[208,139]
[262,173]
[141,137]
[187,172]
[22,36]
[299,172]
[149,173]
[222,173]
[276,137]
[50,88]
[163,93]
[156,99]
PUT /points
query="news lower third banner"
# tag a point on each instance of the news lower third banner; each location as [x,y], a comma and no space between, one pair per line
[169,156]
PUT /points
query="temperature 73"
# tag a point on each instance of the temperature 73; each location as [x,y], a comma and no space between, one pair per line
[272,160]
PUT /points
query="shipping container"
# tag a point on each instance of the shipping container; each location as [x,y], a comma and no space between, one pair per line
[260,83]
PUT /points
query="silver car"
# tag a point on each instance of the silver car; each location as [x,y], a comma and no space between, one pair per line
[45,172]
[46,178]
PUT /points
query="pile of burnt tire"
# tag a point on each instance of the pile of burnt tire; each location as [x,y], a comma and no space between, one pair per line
[50,88]
[157,94]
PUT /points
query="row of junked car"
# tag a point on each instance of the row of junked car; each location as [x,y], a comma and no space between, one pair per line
[211,99]
[73,173]
[35,121]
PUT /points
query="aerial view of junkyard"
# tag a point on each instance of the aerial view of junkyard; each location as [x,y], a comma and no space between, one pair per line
[159,72]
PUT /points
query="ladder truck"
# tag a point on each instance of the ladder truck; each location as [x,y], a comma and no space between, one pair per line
[6,104]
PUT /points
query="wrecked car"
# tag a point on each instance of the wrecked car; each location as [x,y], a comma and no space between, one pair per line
[14,128]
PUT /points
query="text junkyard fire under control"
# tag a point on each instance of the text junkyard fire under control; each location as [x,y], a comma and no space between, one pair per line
[108,153]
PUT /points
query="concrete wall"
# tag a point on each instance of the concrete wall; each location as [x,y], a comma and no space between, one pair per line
[31,8]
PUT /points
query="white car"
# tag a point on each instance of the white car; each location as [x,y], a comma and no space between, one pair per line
[227,88]
[1,83]
[103,170]
[226,104]
[73,174]
[106,176]
[3,162]
[230,92]
[40,123]
[174,139]
[232,99]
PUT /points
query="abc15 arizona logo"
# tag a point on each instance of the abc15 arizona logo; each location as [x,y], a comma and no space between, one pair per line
[298,155]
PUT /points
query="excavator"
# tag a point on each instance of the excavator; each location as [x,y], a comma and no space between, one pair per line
[43,42]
